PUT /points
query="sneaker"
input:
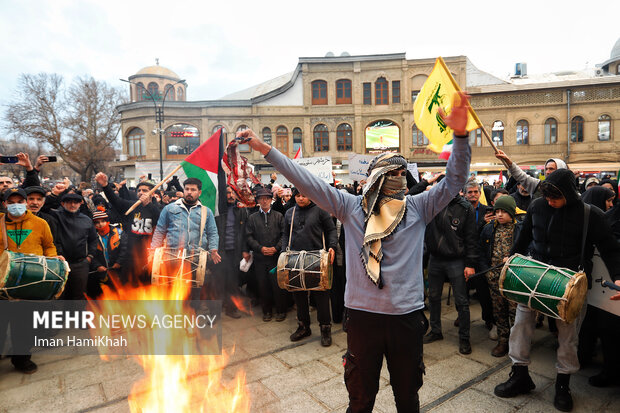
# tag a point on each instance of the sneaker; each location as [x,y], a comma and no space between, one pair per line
[301,332]
[267,317]
[493,333]
[464,346]
[233,313]
[280,316]
[27,367]
[430,337]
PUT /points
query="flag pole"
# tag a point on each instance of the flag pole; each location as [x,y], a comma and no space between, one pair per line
[155,188]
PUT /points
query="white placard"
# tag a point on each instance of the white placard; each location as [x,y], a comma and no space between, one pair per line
[358,166]
[598,296]
[413,168]
[320,166]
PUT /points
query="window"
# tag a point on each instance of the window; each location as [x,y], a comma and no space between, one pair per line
[180,93]
[282,139]
[297,139]
[154,91]
[243,147]
[135,142]
[344,137]
[181,139]
[367,94]
[576,129]
[321,138]
[604,128]
[343,91]
[396,91]
[319,92]
[551,131]
[216,127]
[267,135]
[140,94]
[497,133]
[381,91]
[414,95]
[169,94]
[475,137]
[419,139]
[523,132]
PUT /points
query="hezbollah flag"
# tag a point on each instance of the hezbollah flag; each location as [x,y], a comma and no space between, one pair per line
[436,92]
[205,163]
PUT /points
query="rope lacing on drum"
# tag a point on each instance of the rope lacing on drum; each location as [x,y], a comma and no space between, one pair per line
[42,261]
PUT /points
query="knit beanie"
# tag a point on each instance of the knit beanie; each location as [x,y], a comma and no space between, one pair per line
[506,203]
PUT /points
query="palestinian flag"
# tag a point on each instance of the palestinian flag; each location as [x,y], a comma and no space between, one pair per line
[205,163]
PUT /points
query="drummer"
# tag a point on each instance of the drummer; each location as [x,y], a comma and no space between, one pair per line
[553,227]
[27,234]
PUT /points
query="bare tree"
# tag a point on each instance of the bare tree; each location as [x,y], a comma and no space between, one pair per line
[80,123]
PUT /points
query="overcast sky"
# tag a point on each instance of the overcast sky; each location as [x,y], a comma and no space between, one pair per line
[225,46]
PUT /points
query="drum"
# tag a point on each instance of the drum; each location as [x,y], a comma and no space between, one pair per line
[304,271]
[171,264]
[556,292]
[31,277]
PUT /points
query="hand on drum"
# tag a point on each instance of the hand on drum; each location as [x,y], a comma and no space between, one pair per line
[101,268]
[60,257]
[468,272]
[332,255]
[215,257]
[617,296]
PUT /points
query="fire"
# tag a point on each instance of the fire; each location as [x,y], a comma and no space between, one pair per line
[176,382]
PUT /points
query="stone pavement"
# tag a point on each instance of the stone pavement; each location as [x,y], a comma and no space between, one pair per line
[304,377]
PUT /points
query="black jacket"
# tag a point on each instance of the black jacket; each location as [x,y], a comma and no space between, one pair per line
[264,234]
[309,225]
[613,218]
[523,202]
[555,234]
[53,224]
[76,235]
[241,219]
[452,233]
[487,236]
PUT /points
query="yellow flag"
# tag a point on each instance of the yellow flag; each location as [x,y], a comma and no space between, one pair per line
[437,92]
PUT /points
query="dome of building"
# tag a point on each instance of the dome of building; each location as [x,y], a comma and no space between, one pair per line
[615,51]
[158,71]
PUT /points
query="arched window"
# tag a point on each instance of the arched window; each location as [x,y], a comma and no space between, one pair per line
[419,139]
[216,127]
[169,93]
[136,145]
[243,147]
[381,91]
[344,137]
[523,132]
[475,137]
[604,127]
[181,139]
[319,92]
[576,129]
[551,131]
[282,139]
[180,94]
[297,139]
[267,135]
[140,92]
[497,133]
[343,91]
[154,90]
[321,138]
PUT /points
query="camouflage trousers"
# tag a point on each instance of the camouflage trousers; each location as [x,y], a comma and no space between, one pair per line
[503,310]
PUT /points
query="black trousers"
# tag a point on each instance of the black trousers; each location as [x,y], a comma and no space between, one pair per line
[75,288]
[370,336]
[270,293]
[336,294]
[484,297]
[225,283]
[19,339]
[321,299]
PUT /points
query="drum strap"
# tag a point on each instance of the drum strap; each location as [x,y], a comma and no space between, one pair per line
[5,240]
[290,234]
[203,221]
[586,221]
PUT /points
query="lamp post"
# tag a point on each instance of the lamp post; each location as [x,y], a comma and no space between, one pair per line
[159,117]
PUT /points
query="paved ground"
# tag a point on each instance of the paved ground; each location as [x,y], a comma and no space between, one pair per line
[305,377]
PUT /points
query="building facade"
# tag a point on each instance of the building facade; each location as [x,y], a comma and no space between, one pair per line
[335,105]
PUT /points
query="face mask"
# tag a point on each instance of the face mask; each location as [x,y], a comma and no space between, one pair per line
[17,210]
[104,230]
[393,184]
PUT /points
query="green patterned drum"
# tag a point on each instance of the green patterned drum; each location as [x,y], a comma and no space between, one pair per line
[31,277]
[556,292]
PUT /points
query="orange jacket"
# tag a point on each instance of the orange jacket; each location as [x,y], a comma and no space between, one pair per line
[28,234]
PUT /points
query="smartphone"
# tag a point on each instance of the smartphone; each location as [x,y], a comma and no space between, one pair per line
[51,158]
[8,159]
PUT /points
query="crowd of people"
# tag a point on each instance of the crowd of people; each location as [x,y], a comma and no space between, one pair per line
[392,241]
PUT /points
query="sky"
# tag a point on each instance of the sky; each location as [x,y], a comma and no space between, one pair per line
[226,46]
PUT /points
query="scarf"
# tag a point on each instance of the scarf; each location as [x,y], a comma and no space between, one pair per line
[384,205]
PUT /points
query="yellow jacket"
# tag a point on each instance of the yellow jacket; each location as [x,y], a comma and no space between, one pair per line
[28,234]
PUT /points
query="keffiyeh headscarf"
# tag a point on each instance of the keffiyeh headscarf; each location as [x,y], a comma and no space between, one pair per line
[383,202]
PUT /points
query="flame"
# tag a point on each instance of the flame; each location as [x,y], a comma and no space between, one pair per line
[180,382]
[242,304]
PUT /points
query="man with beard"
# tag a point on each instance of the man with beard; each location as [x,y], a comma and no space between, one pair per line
[384,246]
[187,224]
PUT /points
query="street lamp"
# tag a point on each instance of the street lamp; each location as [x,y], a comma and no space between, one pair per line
[159,117]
